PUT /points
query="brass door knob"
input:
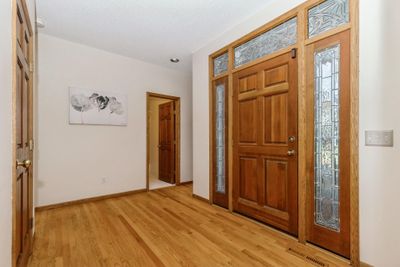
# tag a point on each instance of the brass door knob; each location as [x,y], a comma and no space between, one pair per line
[26,163]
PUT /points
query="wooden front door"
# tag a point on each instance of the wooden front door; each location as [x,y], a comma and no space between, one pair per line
[23,132]
[166,144]
[265,142]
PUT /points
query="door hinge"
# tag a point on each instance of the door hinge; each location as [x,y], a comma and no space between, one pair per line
[31,67]
[31,145]
[31,223]
[294,52]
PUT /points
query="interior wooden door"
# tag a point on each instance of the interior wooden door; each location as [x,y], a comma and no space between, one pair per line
[166,145]
[23,126]
[265,142]
[328,101]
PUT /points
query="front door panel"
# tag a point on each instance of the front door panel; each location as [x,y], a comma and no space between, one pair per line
[265,142]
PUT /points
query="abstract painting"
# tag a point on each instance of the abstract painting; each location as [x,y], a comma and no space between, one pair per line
[89,106]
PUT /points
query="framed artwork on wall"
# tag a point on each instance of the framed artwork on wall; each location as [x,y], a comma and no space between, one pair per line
[93,107]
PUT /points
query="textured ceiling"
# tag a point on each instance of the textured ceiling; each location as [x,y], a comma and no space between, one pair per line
[149,30]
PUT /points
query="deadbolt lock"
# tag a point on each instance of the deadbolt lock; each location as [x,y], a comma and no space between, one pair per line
[292,139]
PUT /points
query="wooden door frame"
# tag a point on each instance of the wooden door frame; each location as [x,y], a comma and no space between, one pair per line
[177,101]
[31,52]
[300,12]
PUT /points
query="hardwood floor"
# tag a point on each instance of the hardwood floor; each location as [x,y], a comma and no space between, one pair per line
[166,227]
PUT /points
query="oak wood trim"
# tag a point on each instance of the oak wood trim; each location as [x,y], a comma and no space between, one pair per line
[87,200]
[326,34]
[222,75]
[177,101]
[201,198]
[302,133]
[230,128]
[210,132]
[265,58]
[354,134]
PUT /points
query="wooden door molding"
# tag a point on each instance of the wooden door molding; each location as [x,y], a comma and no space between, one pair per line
[22,106]
[301,13]
[177,103]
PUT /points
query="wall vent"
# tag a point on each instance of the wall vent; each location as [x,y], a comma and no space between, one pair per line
[311,259]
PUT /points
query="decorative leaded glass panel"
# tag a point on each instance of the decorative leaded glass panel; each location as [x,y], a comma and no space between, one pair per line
[326,137]
[327,15]
[220,137]
[281,36]
[221,64]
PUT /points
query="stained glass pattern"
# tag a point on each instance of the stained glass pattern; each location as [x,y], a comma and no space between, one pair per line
[281,36]
[220,137]
[221,64]
[327,15]
[326,138]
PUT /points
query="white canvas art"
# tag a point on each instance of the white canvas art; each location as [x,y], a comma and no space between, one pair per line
[89,106]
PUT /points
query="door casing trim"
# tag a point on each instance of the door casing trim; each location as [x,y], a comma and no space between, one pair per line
[177,101]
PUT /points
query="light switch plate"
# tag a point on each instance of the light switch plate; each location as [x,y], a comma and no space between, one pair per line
[379,138]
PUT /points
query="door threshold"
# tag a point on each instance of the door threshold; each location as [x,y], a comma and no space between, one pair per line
[163,187]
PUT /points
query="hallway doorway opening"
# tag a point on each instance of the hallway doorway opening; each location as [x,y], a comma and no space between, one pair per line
[163,141]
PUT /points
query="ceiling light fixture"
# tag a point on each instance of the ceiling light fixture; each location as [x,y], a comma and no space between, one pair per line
[174,60]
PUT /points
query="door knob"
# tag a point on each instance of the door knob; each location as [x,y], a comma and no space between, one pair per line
[26,163]
[291,152]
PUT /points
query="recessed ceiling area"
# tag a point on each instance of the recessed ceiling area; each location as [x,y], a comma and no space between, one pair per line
[150,30]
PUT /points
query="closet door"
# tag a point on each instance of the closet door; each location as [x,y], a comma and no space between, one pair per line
[328,96]
[220,137]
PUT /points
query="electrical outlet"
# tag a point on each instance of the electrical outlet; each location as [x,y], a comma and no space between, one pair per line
[379,138]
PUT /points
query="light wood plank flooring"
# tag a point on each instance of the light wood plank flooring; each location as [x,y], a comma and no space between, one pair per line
[166,227]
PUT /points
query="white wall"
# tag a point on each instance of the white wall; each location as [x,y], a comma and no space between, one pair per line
[379,96]
[379,109]
[5,132]
[73,159]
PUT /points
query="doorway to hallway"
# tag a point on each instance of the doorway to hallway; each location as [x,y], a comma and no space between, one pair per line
[163,141]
